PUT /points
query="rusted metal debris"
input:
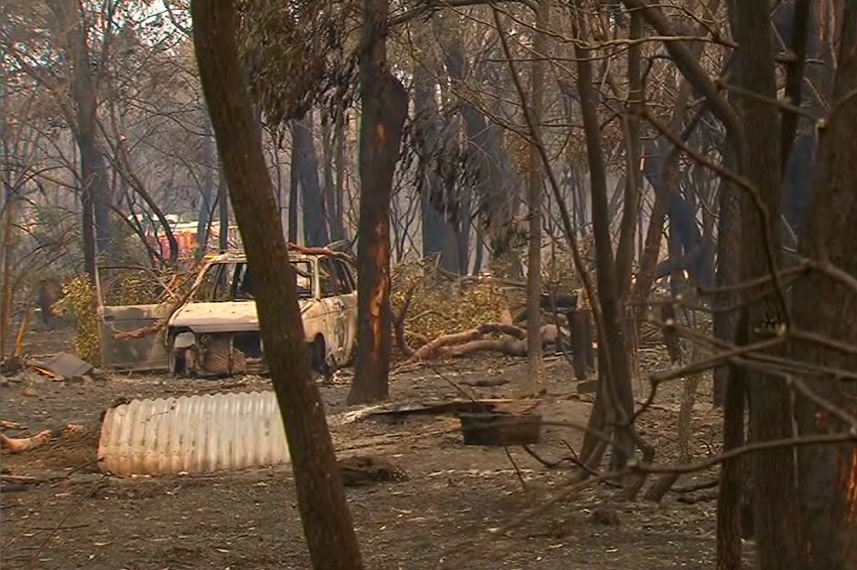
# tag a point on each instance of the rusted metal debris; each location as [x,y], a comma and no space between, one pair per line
[62,366]
[501,428]
[120,351]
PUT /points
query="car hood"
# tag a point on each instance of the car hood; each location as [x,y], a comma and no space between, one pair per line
[228,316]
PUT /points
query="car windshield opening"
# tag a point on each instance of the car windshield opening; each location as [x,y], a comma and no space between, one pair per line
[232,281]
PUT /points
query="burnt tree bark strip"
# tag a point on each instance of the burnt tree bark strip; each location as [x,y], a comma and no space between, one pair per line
[828,308]
[384,110]
[774,474]
[321,497]
[222,212]
[580,329]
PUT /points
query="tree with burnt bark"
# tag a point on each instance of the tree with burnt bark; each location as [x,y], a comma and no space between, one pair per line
[535,382]
[826,306]
[321,498]
[773,472]
[384,108]
[615,390]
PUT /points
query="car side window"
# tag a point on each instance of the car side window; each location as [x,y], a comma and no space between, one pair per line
[328,278]
[343,275]
[223,282]
[243,284]
[304,277]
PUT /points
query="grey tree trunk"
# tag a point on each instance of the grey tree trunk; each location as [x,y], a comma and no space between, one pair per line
[331,200]
[535,364]
[314,218]
[438,234]
[223,211]
[495,186]
[95,187]
[341,136]
[294,194]
[616,390]
[206,203]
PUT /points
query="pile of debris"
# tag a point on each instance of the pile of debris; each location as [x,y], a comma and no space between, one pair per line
[60,367]
[438,315]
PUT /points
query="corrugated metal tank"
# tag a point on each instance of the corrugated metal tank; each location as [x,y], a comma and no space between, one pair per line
[193,434]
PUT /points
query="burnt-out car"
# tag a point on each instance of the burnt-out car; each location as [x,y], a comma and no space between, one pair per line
[217,331]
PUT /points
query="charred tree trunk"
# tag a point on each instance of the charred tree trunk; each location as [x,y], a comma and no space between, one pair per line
[774,474]
[206,203]
[633,152]
[321,497]
[734,497]
[611,340]
[331,200]
[827,307]
[730,493]
[340,135]
[312,200]
[728,263]
[294,192]
[95,186]
[384,110]
[580,330]
[728,260]
[535,364]
[223,212]
[439,236]
[493,182]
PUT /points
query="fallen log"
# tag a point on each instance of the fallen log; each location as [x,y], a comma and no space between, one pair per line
[512,342]
[512,339]
[22,444]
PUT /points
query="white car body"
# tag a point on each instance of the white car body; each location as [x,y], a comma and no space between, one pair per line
[217,331]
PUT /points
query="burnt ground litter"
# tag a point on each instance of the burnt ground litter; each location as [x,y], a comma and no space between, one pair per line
[445,515]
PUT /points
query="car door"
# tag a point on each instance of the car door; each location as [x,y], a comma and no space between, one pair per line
[332,307]
[347,316]
[340,301]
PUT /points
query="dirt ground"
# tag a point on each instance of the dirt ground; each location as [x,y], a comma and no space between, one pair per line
[441,517]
